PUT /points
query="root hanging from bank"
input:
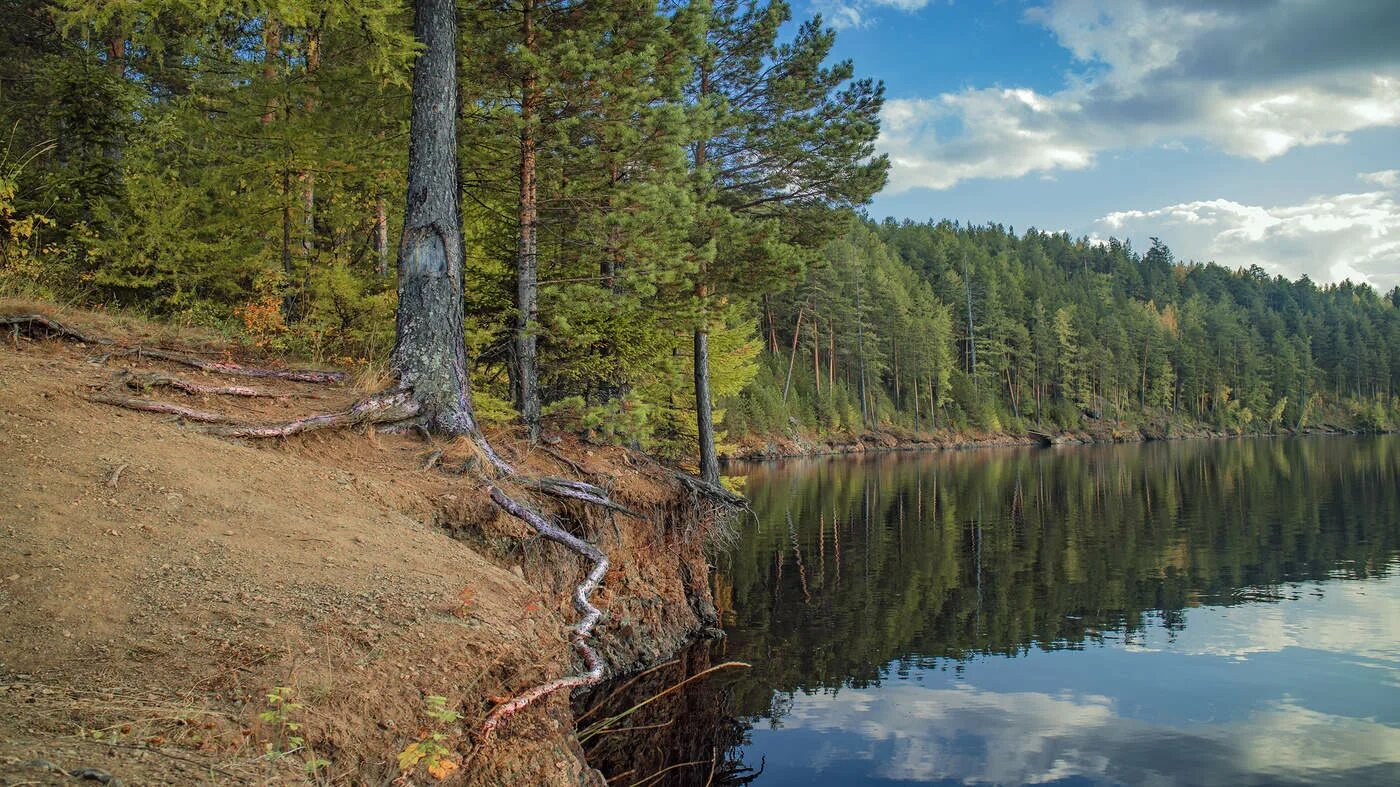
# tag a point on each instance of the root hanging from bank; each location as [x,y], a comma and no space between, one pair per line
[583,630]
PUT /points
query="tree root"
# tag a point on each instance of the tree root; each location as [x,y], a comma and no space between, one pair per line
[111,396]
[145,382]
[592,663]
[714,492]
[386,408]
[574,490]
[40,327]
[225,367]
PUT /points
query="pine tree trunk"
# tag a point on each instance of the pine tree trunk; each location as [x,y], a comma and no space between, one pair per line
[831,355]
[430,352]
[272,49]
[971,334]
[381,235]
[308,177]
[792,357]
[527,382]
[704,415]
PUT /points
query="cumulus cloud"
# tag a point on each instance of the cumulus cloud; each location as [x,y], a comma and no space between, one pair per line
[910,733]
[1254,78]
[1389,178]
[1329,238]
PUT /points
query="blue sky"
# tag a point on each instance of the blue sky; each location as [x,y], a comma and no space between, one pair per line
[1241,131]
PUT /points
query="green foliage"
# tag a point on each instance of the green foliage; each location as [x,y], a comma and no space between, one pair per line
[1067,334]
[281,715]
[242,166]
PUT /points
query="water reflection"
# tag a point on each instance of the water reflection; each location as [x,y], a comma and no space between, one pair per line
[1193,613]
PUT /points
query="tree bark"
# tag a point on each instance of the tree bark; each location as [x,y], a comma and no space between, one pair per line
[430,352]
[704,415]
[792,356]
[272,49]
[381,236]
[308,177]
[527,384]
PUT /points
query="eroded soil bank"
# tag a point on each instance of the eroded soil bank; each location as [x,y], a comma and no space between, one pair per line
[179,608]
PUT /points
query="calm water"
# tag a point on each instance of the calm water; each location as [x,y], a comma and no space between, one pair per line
[1191,613]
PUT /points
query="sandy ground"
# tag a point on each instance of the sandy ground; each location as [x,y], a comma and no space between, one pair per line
[158,583]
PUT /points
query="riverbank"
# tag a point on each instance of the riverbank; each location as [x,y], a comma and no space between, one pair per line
[176,607]
[799,444]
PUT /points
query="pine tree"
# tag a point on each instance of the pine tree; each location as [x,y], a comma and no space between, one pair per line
[783,141]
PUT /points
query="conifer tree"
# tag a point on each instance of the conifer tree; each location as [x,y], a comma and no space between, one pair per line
[783,142]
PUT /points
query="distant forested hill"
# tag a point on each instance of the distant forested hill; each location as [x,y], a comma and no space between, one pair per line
[928,325]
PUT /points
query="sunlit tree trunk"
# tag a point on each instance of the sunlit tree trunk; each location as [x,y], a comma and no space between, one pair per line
[527,385]
[430,351]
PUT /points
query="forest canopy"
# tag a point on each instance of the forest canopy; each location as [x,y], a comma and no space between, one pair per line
[643,185]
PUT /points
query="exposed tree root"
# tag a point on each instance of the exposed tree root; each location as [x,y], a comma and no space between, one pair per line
[387,408]
[225,367]
[38,326]
[592,663]
[574,490]
[145,382]
[575,466]
[714,492]
[393,410]
[111,396]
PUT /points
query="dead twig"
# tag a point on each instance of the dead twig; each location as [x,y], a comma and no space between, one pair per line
[213,768]
[115,475]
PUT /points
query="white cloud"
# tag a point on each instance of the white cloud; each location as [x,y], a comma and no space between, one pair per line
[846,14]
[1254,79]
[1329,238]
[912,733]
[1389,178]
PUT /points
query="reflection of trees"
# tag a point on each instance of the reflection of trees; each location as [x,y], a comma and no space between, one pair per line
[692,735]
[915,558]
[901,561]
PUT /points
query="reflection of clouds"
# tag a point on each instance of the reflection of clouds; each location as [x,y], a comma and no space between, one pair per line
[914,733]
[909,732]
[1360,619]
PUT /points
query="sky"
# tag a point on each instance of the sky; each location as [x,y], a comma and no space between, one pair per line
[1242,132]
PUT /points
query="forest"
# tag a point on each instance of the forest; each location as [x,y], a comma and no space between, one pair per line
[664,236]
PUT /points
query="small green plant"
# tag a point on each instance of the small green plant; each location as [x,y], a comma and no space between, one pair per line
[431,750]
[280,713]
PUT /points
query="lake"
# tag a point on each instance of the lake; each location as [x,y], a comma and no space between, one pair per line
[1202,612]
